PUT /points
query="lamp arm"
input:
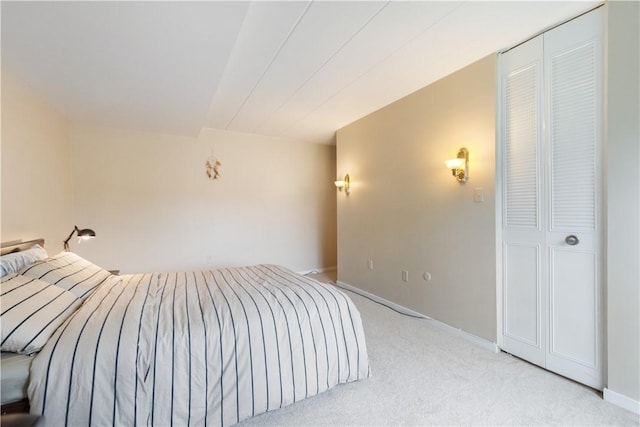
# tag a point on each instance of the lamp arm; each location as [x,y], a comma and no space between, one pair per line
[66,242]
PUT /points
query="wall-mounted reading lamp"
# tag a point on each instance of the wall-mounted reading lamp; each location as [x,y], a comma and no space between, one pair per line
[460,165]
[83,234]
[344,183]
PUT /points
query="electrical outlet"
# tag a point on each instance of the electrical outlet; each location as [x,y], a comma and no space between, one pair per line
[370,264]
[405,275]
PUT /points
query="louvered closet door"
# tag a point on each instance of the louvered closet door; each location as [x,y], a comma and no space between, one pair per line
[550,151]
[523,237]
[573,75]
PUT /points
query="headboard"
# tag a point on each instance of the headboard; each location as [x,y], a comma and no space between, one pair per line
[11,247]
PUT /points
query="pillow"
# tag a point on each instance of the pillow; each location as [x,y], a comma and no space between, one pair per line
[15,261]
[31,312]
[69,271]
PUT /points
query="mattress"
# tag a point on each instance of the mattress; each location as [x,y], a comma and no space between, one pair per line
[14,377]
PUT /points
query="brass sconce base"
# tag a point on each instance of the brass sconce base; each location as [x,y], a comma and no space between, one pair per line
[345,183]
[462,174]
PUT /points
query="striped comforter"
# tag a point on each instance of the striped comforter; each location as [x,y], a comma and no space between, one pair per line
[197,348]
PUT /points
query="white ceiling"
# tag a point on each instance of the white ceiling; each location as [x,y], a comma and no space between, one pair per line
[292,69]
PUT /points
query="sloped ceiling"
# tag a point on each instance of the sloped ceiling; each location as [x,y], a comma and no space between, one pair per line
[292,69]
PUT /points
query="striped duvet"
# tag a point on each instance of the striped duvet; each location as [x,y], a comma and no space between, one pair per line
[198,348]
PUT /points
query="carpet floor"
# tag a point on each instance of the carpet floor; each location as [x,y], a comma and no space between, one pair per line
[423,375]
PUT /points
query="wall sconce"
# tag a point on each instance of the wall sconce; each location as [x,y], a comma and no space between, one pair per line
[83,234]
[460,165]
[344,183]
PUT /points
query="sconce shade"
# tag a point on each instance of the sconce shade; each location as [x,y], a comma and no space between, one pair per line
[83,234]
[460,165]
[454,163]
[339,184]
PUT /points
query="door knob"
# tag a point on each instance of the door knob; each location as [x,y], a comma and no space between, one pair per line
[572,240]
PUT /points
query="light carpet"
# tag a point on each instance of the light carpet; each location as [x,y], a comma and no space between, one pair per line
[423,375]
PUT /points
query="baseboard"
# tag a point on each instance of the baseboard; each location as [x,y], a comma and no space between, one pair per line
[621,400]
[474,339]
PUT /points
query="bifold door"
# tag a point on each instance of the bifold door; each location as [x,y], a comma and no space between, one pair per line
[550,161]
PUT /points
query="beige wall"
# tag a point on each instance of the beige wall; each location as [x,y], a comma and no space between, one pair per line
[406,211]
[153,208]
[36,171]
[623,247]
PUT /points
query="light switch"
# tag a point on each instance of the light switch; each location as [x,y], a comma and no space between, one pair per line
[478,195]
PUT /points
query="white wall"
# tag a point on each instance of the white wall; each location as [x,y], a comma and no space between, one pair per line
[36,171]
[154,209]
[623,187]
[407,212]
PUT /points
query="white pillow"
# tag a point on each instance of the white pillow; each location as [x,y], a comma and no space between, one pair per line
[14,262]
[31,312]
[69,271]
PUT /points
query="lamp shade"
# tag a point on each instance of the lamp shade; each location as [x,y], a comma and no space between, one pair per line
[82,233]
[86,233]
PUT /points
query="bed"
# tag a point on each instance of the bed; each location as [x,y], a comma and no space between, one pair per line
[191,348]
[14,367]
